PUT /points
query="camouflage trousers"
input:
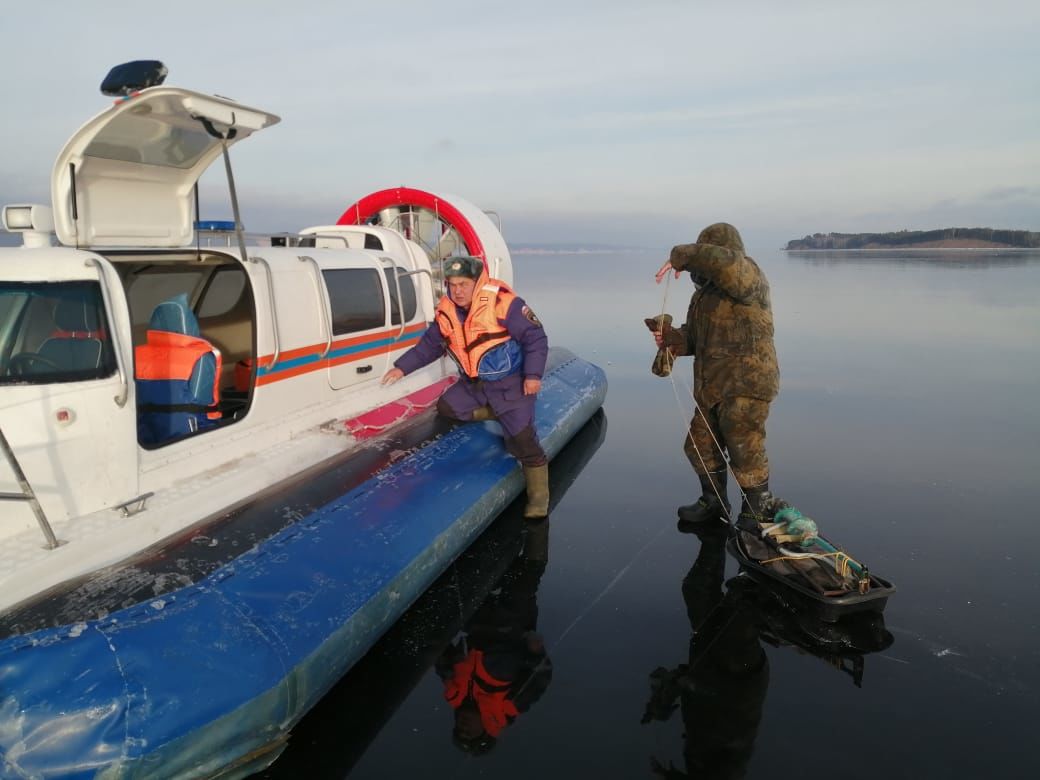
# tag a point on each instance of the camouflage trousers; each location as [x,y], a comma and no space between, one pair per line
[739,426]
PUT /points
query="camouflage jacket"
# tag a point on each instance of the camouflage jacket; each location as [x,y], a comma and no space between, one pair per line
[729,325]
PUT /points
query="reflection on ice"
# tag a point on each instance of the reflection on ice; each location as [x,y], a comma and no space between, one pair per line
[485,603]
[721,689]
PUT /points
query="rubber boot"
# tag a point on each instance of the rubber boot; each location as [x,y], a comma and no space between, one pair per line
[482,413]
[537,491]
[709,508]
[754,506]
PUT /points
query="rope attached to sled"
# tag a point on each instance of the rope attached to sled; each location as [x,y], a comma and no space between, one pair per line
[791,526]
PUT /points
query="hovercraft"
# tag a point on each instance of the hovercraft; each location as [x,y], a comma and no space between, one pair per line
[211,506]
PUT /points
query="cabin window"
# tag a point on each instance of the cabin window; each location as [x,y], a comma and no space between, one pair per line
[53,332]
[223,291]
[149,286]
[356,298]
[408,299]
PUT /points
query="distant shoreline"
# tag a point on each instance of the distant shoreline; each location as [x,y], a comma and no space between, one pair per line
[947,238]
[923,248]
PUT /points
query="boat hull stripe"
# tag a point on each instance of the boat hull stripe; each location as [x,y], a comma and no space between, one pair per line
[295,362]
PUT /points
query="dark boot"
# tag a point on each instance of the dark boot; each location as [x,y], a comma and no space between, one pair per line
[537,491]
[536,542]
[755,506]
[709,508]
[483,413]
[702,586]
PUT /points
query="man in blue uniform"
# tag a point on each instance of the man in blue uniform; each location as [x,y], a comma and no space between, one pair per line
[501,349]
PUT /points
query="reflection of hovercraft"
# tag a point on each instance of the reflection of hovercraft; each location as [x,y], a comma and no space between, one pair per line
[334,736]
[790,550]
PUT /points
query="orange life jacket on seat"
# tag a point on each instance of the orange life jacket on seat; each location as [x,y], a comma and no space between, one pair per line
[171,357]
[482,331]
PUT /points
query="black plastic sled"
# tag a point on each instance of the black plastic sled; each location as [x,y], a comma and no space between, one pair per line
[831,583]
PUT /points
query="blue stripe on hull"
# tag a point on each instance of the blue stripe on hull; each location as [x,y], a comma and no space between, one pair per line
[335,353]
[214,674]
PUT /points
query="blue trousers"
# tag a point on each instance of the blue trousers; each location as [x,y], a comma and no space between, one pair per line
[513,410]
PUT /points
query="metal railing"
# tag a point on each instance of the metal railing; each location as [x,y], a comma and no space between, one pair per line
[106,298]
[27,494]
[274,311]
[326,313]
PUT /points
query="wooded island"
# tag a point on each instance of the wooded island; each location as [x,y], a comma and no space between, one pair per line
[948,238]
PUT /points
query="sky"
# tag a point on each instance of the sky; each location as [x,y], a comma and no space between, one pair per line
[632,123]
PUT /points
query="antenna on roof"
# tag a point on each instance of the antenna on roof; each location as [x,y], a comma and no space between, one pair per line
[132,77]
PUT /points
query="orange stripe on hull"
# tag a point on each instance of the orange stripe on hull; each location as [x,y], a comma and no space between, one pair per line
[317,349]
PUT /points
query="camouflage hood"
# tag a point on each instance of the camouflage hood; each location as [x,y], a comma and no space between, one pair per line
[729,325]
[722,234]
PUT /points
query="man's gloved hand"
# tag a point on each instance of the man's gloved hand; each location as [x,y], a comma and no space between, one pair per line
[667,339]
[664,334]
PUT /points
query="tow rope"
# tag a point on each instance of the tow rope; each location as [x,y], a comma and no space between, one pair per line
[666,360]
[790,526]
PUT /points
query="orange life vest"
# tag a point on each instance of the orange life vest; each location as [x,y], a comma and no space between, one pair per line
[471,678]
[482,331]
[172,356]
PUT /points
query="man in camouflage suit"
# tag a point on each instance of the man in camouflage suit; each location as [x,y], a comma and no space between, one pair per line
[729,332]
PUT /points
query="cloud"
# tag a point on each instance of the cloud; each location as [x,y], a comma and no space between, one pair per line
[443,146]
[798,116]
[1012,194]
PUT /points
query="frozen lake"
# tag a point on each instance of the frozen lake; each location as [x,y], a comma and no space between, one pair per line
[906,426]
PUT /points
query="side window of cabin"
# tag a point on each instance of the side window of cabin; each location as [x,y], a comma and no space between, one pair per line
[222,293]
[53,332]
[226,315]
[356,298]
[408,299]
[149,286]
